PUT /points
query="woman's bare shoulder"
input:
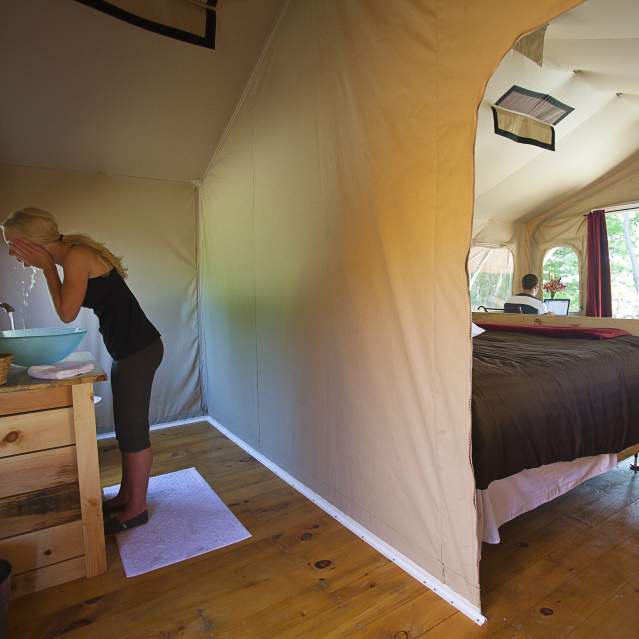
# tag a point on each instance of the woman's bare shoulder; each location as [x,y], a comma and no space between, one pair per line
[86,259]
[82,259]
[79,254]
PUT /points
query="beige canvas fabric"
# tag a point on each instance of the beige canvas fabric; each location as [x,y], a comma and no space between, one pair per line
[152,225]
[532,45]
[115,98]
[336,226]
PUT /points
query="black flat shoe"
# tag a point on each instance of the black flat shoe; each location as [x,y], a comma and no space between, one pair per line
[108,508]
[114,525]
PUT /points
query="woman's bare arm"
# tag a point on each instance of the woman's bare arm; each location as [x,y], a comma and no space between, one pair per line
[67,295]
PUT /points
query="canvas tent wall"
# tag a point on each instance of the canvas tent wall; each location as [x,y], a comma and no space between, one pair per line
[336,222]
[153,224]
[85,91]
[336,225]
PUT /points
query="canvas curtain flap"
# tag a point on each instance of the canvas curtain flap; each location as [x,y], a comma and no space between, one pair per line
[524,129]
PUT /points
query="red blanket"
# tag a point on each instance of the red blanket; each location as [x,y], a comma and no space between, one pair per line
[556,331]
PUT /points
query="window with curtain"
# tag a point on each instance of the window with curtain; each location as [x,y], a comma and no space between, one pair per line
[623,248]
[490,272]
[562,263]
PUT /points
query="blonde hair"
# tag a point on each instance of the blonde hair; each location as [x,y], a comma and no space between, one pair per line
[42,228]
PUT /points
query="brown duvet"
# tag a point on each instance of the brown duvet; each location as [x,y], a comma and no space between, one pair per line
[539,400]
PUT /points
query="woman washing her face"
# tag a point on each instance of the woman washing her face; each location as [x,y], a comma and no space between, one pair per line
[95,278]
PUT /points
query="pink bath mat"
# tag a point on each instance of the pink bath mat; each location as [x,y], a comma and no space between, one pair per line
[186,519]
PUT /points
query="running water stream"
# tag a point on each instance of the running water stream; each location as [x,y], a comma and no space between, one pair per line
[26,288]
[34,273]
[25,283]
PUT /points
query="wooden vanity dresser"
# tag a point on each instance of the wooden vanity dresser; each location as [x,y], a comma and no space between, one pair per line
[51,526]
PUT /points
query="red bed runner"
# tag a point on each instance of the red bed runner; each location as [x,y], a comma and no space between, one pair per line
[556,331]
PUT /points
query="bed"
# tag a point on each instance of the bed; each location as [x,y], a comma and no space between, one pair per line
[551,408]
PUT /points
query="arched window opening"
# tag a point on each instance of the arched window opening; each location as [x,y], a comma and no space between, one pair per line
[490,272]
[561,275]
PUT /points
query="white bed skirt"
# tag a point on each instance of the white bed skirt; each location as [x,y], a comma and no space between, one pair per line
[507,498]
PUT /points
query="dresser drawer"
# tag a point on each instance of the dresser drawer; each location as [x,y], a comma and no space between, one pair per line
[28,432]
[27,401]
[48,576]
[34,471]
[44,508]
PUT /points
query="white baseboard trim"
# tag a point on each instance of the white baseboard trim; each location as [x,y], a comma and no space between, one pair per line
[461,603]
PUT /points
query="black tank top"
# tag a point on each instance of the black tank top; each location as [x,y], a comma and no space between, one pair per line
[123,324]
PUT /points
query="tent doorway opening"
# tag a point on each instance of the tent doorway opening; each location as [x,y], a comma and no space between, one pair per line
[554,263]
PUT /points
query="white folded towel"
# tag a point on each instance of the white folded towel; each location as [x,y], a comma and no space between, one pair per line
[63,370]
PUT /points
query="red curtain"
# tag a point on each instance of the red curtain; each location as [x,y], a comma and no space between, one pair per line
[599,300]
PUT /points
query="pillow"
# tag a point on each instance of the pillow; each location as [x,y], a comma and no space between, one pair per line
[477,330]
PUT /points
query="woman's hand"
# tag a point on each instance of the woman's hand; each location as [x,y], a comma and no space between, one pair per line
[32,254]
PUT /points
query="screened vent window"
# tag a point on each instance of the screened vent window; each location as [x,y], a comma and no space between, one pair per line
[561,276]
[623,248]
[537,105]
[529,117]
[490,272]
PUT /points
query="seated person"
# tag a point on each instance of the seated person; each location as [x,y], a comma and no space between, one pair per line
[528,296]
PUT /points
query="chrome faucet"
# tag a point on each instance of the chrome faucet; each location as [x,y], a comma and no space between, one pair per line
[7,308]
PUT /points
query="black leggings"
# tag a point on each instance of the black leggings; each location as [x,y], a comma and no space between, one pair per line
[131,382]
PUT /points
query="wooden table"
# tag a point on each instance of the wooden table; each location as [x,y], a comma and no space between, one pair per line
[50,500]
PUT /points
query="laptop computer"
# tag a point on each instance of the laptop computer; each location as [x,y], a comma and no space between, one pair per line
[558,306]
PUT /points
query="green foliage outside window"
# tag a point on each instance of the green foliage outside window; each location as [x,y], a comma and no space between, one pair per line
[491,290]
[623,243]
[490,271]
[563,262]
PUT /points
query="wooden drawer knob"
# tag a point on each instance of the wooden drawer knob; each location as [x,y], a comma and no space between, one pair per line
[11,436]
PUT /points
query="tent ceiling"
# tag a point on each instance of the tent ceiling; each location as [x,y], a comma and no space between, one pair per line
[82,90]
[589,58]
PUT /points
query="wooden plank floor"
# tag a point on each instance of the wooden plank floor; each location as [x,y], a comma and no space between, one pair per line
[569,569]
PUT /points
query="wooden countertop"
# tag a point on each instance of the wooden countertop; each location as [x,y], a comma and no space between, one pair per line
[18,380]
